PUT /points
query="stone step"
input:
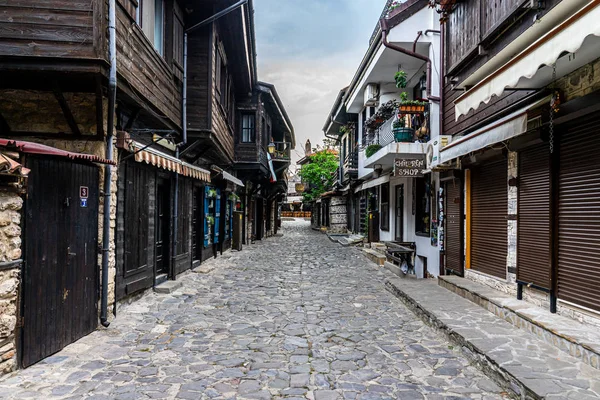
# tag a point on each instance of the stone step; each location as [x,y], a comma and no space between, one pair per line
[374,256]
[393,268]
[168,287]
[520,362]
[573,337]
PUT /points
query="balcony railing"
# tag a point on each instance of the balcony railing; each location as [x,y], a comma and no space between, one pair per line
[384,135]
[283,151]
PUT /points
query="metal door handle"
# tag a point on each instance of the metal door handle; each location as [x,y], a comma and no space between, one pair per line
[69,252]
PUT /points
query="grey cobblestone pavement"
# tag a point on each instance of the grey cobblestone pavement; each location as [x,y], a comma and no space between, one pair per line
[292,317]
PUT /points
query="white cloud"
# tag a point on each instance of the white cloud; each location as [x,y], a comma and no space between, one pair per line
[310,49]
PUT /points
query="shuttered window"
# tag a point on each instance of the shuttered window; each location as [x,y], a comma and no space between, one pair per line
[489,204]
[579,215]
[534,225]
[453,243]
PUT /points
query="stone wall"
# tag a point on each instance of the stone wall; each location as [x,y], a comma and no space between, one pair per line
[10,255]
[338,215]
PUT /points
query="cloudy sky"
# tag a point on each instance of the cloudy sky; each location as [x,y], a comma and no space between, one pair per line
[310,49]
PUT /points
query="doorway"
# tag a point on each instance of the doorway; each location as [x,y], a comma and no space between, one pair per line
[399,215]
[259,218]
[60,274]
[163,226]
[197,224]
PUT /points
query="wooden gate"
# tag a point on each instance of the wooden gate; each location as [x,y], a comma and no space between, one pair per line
[60,280]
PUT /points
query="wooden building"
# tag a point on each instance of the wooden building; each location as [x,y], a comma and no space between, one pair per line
[263,149]
[173,189]
[519,102]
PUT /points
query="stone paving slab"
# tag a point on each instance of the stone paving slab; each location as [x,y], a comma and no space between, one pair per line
[579,340]
[294,317]
[529,366]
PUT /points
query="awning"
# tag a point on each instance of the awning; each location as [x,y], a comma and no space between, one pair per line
[37,148]
[567,37]
[228,177]
[373,183]
[505,128]
[158,159]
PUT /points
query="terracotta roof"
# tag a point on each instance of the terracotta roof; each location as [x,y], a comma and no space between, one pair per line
[11,167]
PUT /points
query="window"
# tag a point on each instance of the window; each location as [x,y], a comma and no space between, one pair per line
[248,128]
[422,193]
[385,207]
[151,17]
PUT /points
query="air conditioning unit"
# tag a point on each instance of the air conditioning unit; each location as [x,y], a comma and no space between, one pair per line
[434,146]
[372,95]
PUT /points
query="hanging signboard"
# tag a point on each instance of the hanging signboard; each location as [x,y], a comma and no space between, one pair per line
[409,168]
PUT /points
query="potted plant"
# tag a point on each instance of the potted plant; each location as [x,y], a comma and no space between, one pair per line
[372,149]
[407,106]
[401,132]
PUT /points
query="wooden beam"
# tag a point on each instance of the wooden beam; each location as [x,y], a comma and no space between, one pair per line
[4,127]
[64,106]
[134,116]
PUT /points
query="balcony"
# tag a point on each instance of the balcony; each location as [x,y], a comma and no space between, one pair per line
[350,166]
[283,152]
[390,148]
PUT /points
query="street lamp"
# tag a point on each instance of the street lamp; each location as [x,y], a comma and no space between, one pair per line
[271,147]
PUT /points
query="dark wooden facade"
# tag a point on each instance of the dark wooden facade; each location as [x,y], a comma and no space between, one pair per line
[474,32]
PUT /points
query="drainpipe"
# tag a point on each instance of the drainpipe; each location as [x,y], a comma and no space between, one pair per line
[384,40]
[112,100]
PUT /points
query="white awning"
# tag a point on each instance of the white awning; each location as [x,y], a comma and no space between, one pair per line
[505,128]
[569,37]
[228,177]
[373,183]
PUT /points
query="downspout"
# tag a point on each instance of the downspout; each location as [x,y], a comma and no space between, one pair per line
[112,100]
[384,41]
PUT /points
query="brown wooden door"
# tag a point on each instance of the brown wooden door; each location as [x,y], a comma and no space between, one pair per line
[534,225]
[163,226]
[489,202]
[60,282]
[579,214]
[454,222]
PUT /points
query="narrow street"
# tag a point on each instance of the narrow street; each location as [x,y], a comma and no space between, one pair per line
[295,316]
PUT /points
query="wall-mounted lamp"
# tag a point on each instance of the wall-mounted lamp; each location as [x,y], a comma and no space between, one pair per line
[271,147]
[423,86]
[377,169]
[513,182]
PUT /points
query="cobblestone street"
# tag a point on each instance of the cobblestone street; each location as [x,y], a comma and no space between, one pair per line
[295,316]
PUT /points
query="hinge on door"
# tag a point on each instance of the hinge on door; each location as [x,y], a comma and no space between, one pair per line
[20,322]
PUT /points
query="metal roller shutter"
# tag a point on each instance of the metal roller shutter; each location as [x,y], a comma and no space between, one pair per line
[579,215]
[534,227]
[489,204]
[453,243]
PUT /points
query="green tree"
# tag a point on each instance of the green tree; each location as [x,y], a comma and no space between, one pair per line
[319,174]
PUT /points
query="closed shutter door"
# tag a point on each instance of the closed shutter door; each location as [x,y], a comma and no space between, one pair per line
[579,215]
[453,243]
[533,242]
[489,203]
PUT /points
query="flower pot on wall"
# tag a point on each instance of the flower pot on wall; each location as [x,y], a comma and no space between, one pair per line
[403,135]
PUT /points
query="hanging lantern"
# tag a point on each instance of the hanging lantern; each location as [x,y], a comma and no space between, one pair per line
[300,187]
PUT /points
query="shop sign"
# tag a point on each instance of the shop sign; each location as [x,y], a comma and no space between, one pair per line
[409,168]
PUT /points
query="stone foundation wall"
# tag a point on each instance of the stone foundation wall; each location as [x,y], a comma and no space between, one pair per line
[10,255]
[338,215]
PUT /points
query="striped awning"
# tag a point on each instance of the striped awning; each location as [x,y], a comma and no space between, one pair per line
[192,171]
[164,161]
